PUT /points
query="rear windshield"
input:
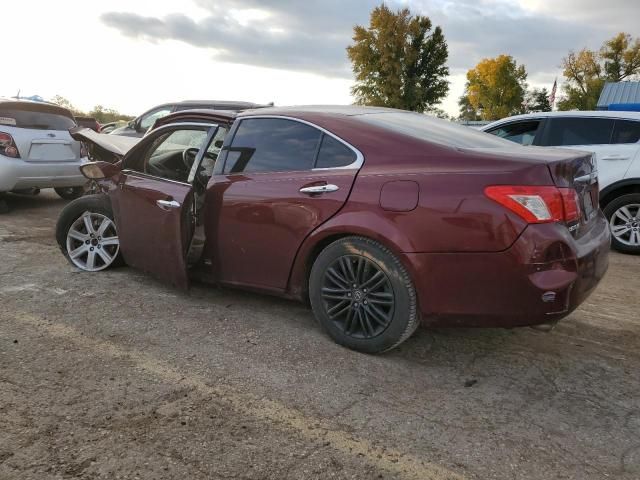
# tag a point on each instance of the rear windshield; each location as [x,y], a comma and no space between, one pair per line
[41,117]
[434,130]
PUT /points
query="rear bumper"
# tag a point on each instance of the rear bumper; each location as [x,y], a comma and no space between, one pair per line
[542,278]
[15,174]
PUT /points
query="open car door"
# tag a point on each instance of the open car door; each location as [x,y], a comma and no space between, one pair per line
[153,202]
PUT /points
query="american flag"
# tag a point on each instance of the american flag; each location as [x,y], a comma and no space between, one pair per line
[552,97]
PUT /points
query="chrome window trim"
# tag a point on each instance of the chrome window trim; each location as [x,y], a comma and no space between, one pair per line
[134,173]
[355,165]
[178,124]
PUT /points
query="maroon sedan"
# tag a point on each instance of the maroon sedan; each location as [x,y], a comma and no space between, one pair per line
[382,219]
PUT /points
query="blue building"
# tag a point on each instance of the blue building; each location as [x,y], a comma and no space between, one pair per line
[620,96]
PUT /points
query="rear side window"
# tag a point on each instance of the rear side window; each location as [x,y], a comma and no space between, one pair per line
[626,131]
[334,153]
[30,117]
[519,132]
[272,145]
[579,131]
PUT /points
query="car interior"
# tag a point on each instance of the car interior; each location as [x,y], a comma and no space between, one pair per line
[173,154]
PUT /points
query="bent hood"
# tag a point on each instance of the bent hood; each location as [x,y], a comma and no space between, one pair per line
[102,143]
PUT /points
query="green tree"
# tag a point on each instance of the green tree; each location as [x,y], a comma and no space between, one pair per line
[399,61]
[107,115]
[495,88]
[467,112]
[621,57]
[584,80]
[587,71]
[537,100]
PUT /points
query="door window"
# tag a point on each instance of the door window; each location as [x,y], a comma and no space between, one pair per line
[334,153]
[272,145]
[171,155]
[204,170]
[149,119]
[579,131]
[519,132]
[626,131]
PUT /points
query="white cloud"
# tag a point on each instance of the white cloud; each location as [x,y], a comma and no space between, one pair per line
[287,51]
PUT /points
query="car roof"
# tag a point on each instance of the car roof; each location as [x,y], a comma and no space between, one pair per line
[337,110]
[569,114]
[35,106]
[219,104]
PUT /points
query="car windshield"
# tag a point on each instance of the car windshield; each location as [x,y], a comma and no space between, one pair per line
[434,130]
[36,117]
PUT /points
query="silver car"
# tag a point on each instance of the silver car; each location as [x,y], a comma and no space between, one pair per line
[36,149]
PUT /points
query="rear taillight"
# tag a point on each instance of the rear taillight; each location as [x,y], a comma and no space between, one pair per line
[537,204]
[8,146]
[84,152]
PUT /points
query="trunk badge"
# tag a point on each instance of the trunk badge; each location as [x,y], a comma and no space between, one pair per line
[52,135]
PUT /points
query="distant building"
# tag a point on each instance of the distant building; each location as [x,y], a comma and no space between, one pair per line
[620,96]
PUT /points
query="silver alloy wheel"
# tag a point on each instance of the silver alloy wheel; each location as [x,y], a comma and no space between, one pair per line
[625,224]
[92,242]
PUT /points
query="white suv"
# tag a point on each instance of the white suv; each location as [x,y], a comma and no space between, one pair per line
[614,138]
[36,149]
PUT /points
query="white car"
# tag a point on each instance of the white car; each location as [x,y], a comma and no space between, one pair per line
[36,149]
[614,138]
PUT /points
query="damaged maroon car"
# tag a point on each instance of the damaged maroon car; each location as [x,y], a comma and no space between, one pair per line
[382,219]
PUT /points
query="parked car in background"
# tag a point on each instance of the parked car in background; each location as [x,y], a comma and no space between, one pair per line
[614,138]
[36,149]
[381,218]
[111,126]
[139,126]
[88,122]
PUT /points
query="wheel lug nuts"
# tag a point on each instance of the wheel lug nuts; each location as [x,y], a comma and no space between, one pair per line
[87,242]
[348,294]
[91,249]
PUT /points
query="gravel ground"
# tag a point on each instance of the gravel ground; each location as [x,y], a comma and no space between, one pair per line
[114,375]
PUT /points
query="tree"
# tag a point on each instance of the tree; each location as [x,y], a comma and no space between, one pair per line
[63,102]
[107,115]
[399,61]
[621,56]
[587,71]
[584,81]
[467,112]
[537,100]
[495,88]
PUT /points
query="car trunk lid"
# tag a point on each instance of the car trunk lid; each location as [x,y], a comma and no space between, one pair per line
[580,173]
[50,147]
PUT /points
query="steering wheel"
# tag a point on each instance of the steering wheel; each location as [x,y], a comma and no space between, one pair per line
[189,156]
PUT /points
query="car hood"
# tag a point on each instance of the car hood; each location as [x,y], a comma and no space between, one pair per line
[116,145]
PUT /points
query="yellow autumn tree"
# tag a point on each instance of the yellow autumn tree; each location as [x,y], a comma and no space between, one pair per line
[495,88]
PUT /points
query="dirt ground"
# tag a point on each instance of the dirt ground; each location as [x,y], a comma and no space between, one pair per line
[116,376]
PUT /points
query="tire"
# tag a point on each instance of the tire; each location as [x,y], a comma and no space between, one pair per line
[623,214]
[69,193]
[362,318]
[4,206]
[90,250]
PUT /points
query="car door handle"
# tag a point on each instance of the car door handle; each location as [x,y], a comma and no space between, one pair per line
[166,204]
[615,157]
[319,189]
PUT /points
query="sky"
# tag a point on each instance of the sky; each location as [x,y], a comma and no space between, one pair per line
[133,54]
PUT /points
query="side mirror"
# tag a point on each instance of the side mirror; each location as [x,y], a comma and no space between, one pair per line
[99,170]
